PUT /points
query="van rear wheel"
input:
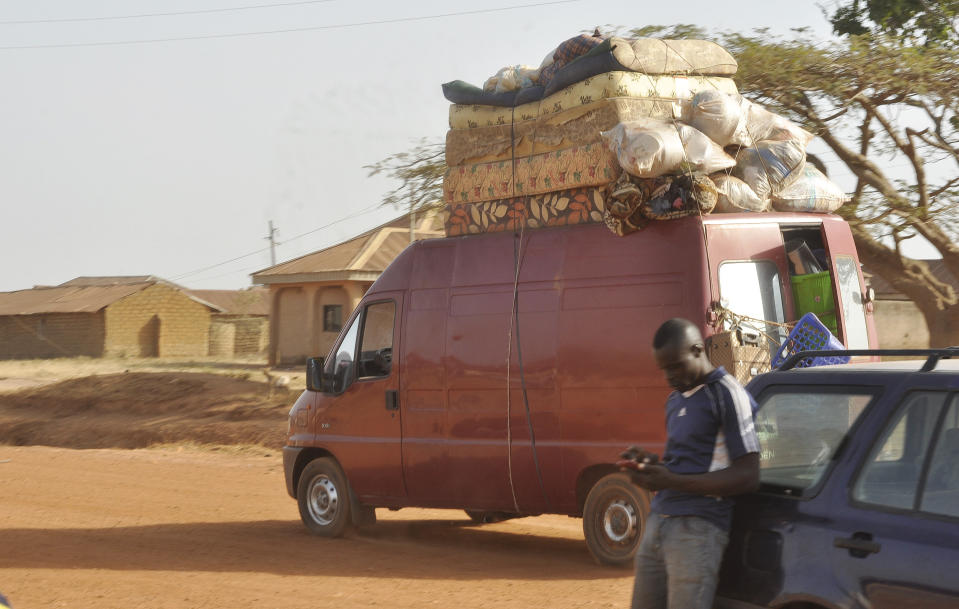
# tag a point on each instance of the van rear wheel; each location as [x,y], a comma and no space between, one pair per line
[324,498]
[614,518]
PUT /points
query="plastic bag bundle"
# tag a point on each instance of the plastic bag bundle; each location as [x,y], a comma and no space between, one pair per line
[813,191]
[701,153]
[648,148]
[732,119]
[512,78]
[736,196]
[761,124]
[720,116]
[770,166]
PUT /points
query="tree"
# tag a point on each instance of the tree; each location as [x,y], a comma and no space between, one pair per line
[419,171]
[928,22]
[889,112]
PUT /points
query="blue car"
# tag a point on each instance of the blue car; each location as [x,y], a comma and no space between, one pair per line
[859,501]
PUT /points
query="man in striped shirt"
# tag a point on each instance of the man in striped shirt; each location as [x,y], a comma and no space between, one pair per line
[712,453]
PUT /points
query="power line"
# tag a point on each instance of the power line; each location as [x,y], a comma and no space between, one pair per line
[260,251]
[213,266]
[143,15]
[283,31]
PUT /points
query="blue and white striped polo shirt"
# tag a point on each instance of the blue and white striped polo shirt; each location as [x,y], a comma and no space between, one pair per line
[707,428]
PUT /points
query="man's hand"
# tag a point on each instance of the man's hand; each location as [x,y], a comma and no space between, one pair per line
[653,476]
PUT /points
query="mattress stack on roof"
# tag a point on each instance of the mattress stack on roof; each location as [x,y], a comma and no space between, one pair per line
[622,132]
[534,156]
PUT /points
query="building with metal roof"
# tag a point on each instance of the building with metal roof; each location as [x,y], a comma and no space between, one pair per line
[98,316]
[313,296]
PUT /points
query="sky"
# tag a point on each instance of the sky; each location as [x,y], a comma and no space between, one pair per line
[171,155]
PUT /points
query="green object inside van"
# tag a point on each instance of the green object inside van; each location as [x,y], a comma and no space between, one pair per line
[813,293]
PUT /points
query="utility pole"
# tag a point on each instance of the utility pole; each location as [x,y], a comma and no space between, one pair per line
[272,243]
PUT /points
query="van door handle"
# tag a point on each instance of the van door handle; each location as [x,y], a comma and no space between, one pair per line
[859,545]
[392,400]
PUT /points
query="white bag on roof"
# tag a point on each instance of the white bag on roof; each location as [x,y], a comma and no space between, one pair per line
[813,191]
[733,119]
[736,196]
[649,148]
[770,166]
[512,78]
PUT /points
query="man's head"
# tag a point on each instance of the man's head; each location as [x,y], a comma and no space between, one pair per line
[680,353]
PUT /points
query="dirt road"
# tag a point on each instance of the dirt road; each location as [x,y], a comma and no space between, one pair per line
[164,528]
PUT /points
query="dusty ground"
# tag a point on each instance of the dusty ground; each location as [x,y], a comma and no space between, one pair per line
[185,525]
[192,528]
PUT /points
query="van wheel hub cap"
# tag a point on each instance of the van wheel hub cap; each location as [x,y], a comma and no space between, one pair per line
[323,500]
[619,521]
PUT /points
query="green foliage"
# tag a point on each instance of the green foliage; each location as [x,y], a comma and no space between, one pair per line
[419,171]
[926,22]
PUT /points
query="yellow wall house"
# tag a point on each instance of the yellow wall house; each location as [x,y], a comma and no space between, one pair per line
[313,296]
[141,316]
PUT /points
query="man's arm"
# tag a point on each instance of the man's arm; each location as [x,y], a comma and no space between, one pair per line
[742,476]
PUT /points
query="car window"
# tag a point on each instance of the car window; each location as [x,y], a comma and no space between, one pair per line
[799,431]
[941,492]
[892,472]
[376,352]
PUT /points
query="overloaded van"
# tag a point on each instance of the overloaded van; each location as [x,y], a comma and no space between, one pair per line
[502,374]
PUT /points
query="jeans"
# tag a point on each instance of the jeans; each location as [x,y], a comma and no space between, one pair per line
[677,565]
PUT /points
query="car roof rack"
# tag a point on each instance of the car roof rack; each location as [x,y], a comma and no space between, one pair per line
[932,355]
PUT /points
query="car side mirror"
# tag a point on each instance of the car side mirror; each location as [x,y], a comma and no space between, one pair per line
[314,374]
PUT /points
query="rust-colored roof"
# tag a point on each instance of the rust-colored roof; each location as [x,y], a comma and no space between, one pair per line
[366,254]
[84,295]
[65,299]
[254,301]
[115,280]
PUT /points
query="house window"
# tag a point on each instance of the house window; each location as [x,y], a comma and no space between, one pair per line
[332,318]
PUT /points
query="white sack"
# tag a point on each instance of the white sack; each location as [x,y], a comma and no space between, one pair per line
[732,119]
[736,196]
[512,78]
[770,166]
[813,191]
[648,148]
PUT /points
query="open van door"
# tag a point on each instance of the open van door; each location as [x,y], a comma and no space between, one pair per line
[856,319]
[749,276]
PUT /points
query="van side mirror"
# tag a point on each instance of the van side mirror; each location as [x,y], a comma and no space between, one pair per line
[314,374]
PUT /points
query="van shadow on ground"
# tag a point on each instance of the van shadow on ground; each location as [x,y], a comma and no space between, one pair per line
[431,549]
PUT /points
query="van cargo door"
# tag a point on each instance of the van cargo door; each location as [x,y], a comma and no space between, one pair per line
[857,325]
[749,275]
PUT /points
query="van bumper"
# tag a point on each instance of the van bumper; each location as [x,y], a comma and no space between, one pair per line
[290,455]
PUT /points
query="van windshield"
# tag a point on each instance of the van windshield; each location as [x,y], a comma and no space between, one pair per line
[751,288]
[799,431]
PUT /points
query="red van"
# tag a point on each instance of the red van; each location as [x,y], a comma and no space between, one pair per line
[502,374]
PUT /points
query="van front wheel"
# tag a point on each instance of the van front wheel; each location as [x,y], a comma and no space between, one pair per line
[614,517]
[324,498]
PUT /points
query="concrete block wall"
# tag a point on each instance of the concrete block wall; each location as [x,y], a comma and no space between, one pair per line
[252,335]
[900,325]
[239,335]
[157,321]
[51,335]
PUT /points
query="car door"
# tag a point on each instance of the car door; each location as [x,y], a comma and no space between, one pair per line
[359,418]
[896,540]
